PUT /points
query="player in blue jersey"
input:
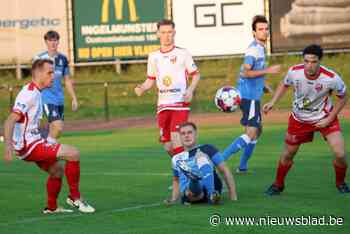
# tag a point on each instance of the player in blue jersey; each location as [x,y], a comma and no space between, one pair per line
[251,85]
[195,178]
[53,97]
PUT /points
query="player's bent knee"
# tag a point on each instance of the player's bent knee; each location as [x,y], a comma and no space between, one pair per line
[57,126]
[253,133]
[75,154]
[339,154]
[69,153]
[56,171]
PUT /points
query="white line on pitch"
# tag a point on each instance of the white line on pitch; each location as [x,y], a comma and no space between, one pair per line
[56,217]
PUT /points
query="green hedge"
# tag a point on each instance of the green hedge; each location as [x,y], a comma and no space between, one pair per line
[124,103]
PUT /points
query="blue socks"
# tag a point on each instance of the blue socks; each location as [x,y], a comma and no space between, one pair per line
[236,145]
[247,153]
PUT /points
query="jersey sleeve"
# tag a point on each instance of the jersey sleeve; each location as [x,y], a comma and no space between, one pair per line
[151,68]
[23,103]
[66,71]
[250,56]
[288,81]
[213,153]
[339,86]
[36,57]
[190,65]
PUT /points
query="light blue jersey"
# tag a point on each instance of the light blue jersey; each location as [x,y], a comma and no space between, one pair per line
[214,158]
[252,88]
[54,95]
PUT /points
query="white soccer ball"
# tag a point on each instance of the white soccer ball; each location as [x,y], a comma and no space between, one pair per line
[227,99]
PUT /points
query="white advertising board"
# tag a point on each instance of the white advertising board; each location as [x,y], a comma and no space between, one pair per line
[23,24]
[215,27]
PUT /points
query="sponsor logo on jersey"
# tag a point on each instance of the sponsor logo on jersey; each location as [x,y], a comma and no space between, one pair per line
[318,87]
[167,81]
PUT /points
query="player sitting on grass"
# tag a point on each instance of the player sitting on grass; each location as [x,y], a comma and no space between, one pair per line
[198,180]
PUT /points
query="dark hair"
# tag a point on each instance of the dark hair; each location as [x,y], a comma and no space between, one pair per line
[258,19]
[39,64]
[314,49]
[188,124]
[165,22]
[51,35]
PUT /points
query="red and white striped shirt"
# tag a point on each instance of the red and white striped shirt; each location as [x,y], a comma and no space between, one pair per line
[26,133]
[312,100]
[170,69]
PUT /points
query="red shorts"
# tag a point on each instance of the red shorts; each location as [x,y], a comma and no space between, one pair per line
[299,133]
[44,155]
[169,121]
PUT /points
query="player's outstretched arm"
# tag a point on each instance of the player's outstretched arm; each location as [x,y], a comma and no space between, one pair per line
[70,89]
[189,92]
[249,73]
[281,90]
[140,89]
[175,192]
[229,181]
[338,106]
[8,131]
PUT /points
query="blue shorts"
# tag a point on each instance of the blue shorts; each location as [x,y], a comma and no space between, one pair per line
[54,112]
[251,113]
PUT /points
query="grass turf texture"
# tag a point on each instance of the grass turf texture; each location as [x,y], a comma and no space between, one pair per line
[125,175]
[124,103]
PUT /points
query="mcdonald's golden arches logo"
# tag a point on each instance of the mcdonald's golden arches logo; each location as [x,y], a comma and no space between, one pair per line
[118,9]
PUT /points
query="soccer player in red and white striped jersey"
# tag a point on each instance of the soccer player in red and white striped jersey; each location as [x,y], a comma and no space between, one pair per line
[312,112]
[22,135]
[169,68]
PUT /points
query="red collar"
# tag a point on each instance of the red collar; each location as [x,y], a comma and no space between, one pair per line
[33,86]
[167,51]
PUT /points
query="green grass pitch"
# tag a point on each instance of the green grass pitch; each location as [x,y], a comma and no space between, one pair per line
[125,175]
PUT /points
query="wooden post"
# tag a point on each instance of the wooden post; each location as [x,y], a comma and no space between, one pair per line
[10,98]
[106,107]
[18,71]
[118,68]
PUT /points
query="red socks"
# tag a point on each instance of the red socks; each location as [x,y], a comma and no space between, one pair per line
[72,172]
[53,188]
[281,174]
[340,172]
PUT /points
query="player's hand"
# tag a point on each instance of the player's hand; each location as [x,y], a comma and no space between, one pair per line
[267,107]
[74,104]
[274,69]
[169,202]
[323,122]
[139,90]
[188,95]
[8,153]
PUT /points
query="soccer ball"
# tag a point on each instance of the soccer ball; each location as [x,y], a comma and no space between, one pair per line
[227,99]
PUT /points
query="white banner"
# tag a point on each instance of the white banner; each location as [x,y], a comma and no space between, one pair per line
[23,24]
[215,27]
